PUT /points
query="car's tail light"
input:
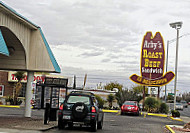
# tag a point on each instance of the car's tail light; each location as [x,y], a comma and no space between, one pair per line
[136,107]
[122,107]
[61,107]
[93,110]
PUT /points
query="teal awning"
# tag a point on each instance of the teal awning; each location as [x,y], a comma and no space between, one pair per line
[3,47]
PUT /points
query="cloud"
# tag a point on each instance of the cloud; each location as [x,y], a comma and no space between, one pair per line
[106,60]
[104,38]
[90,54]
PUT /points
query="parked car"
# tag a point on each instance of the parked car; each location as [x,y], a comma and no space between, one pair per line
[185,105]
[188,103]
[130,107]
[179,106]
[80,107]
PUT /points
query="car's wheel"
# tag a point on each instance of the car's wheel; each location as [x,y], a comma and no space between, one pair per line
[137,114]
[61,124]
[79,111]
[70,124]
[94,126]
[100,124]
[122,113]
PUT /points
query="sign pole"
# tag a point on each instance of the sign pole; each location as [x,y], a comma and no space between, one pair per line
[143,96]
[158,93]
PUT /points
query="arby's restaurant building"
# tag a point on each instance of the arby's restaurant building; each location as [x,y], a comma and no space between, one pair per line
[8,80]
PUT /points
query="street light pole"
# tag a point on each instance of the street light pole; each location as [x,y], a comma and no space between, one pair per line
[166,70]
[177,26]
[169,42]
[176,63]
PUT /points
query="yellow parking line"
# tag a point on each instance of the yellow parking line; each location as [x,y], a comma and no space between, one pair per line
[168,127]
[118,113]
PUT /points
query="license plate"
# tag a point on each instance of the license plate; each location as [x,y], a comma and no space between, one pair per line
[67,117]
[129,108]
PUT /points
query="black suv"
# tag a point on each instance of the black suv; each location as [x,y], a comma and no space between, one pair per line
[80,107]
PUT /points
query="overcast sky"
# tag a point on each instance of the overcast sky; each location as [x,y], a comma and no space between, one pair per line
[102,38]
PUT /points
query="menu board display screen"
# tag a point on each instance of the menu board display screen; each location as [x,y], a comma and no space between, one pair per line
[38,93]
[47,95]
[55,98]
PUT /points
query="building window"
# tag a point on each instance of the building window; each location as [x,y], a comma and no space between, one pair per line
[23,90]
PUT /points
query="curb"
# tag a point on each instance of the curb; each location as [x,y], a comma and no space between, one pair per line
[160,115]
[152,114]
[168,127]
[176,119]
[10,106]
[110,111]
[43,130]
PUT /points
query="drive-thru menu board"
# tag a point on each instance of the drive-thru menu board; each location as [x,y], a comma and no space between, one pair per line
[52,92]
[55,98]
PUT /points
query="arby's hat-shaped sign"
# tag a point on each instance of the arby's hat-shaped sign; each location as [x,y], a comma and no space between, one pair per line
[152,62]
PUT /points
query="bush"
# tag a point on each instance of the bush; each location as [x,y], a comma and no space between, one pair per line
[163,108]
[11,100]
[175,113]
[151,104]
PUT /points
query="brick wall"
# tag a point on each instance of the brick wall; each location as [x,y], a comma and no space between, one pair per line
[8,87]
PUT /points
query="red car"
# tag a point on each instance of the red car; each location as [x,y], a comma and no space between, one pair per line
[130,107]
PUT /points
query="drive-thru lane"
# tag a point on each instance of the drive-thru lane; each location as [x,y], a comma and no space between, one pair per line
[121,124]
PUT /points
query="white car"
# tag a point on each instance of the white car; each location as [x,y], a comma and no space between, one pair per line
[184,103]
[179,106]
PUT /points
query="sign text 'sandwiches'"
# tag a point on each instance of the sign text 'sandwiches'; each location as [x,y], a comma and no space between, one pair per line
[152,62]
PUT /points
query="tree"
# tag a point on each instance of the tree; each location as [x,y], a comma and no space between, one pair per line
[112,85]
[19,75]
[186,96]
[100,101]
[139,89]
[127,95]
[110,99]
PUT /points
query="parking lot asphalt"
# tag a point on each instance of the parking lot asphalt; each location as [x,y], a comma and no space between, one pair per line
[113,122]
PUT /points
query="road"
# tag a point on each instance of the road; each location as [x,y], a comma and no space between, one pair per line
[185,112]
[114,123]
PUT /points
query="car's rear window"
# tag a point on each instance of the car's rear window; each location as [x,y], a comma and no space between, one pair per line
[129,103]
[75,99]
